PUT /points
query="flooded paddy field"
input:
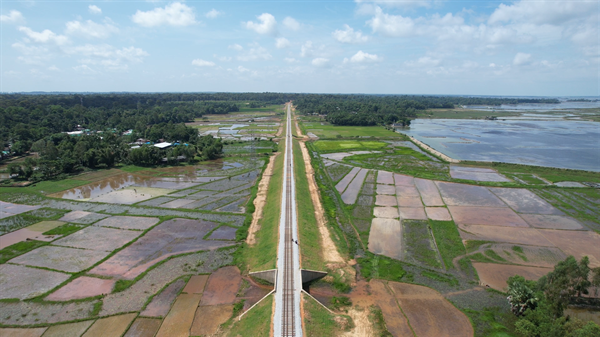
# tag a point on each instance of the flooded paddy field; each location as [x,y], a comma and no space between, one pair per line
[122,251]
[552,143]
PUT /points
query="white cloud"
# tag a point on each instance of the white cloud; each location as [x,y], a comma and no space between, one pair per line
[222,58]
[94,9]
[85,69]
[107,56]
[46,36]
[53,68]
[213,13]
[282,42]
[320,62]
[242,69]
[391,25]
[267,25]
[348,35]
[362,57]
[90,29]
[309,50]
[291,23]
[202,63]
[32,54]
[424,62]
[236,47]
[522,59]
[174,14]
[544,11]
[254,53]
[12,17]
[290,60]
[388,3]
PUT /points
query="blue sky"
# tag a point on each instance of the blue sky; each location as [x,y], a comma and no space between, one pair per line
[542,48]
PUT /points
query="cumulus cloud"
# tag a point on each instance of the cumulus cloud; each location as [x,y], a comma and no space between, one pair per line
[348,35]
[12,17]
[236,47]
[174,14]
[94,9]
[255,52]
[522,59]
[310,50]
[46,36]
[362,57]
[213,13]
[32,54]
[320,62]
[107,56]
[425,61]
[290,60]
[267,24]
[388,3]
[391,25]
[85,69]
[291,23]
[282,42]
[202,63]
[90,29]
[543,11]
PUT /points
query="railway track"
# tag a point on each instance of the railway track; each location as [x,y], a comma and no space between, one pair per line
[287,320]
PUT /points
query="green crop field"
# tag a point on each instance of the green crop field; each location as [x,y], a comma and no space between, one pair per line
[326,130]
[325,146]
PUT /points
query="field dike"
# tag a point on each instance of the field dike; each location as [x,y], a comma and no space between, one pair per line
[435,152]
[260,201]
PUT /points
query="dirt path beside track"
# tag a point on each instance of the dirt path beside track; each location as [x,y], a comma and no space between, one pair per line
[260,200]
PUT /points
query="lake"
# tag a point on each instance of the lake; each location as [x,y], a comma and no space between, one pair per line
[552,143]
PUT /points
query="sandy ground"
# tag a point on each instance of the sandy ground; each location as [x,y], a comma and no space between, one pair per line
[495,275]
[261,198]
[330,253]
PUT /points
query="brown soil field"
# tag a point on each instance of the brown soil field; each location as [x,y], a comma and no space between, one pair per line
[31,232]
[429,192]
[19,332]
[386,189]
[386,237]
[110,326]
[161,303]
[209,318]
[551,221]
[492,216]
[475,173]
[385,200]
[438,213]
[429,313]
[407,191]
[68,330]
[517,235]
[82,287]
[143,327]
[402,180]
[495,275]
[468,195]
[180,318]
[385,212]
[385,177]
[524,201]
[576,243]
[222,286]
[413,213]
[395,321]
[196,284]
[409,201]
[341,186]
[260,200]
[584,314]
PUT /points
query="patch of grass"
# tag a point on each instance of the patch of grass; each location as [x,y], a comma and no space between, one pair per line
[257,322]
[473,245]
[238,307]
[326,130]
[448,241]
[519,252]
[19,248]
[440,277]
[466,267]
[121,285]
[339,302]
[318,321]
[381,267]
[53,186]
[96,309]
[492,254]
[65,229]
[376,317]
[492,322]
[328,146]
[420,248]
[478,257]
[308,230]
[132,168]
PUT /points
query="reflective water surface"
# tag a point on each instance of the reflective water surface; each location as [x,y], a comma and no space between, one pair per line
[553,143]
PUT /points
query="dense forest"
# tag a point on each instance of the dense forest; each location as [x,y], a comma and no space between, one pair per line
[381,110]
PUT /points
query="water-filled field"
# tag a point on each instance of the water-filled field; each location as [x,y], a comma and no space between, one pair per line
[553,143]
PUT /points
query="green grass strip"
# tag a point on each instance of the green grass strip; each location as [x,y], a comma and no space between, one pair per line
[448,241]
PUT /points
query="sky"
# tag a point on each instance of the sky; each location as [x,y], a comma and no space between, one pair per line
[440,47]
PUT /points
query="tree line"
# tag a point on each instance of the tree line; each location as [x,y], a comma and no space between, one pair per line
[540,304]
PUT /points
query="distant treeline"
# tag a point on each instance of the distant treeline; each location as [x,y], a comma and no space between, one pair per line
[380,110]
